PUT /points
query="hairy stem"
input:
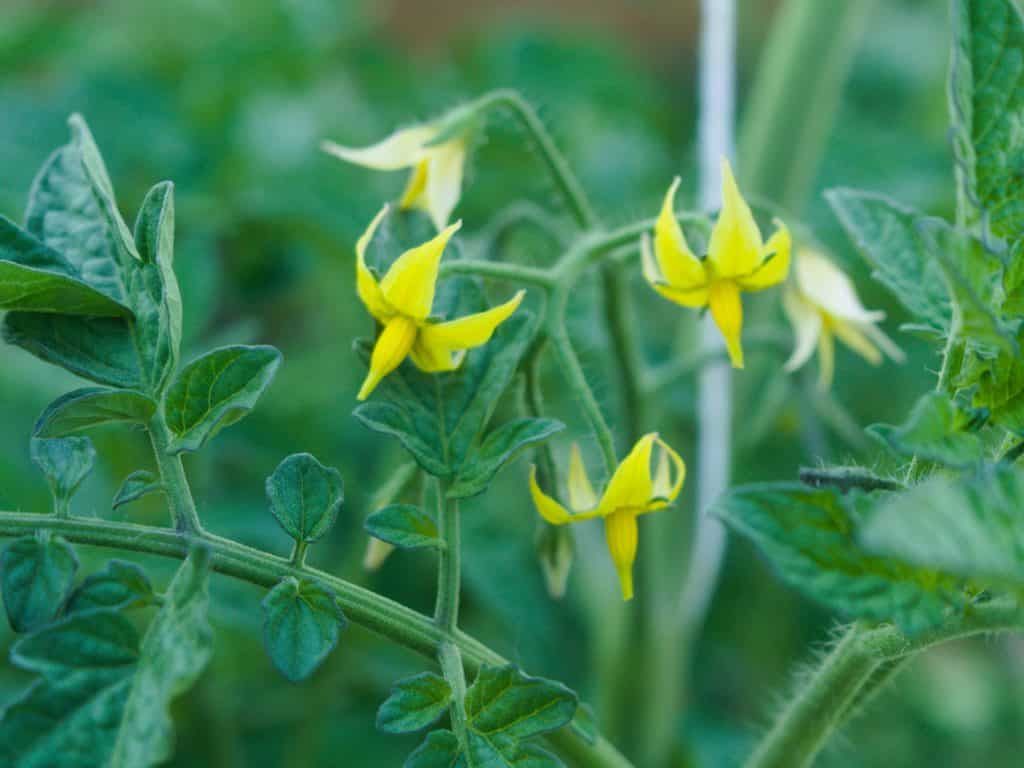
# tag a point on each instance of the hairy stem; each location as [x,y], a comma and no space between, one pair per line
[449,568]
[172,472]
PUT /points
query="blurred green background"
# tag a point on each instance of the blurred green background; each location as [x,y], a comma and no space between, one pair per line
[230,99]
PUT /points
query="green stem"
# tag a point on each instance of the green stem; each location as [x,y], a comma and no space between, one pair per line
[515,273]
[626,354]
[374,612]
[449,569]
[568,184]
[183,508]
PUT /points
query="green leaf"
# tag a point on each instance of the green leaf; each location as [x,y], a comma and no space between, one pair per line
[404,526]
[936,430]
[986,101]
[971,527]
[37,573]
[217,390]
[65,462]
[414,704]
[584,724]
[485,753]
[503,703]
[301,623]
[887,236]
[499,447]
[442,419]
[810,537]
[140,483]
[305,496]
[102,695]
[119,585]
[98,349]
[85,408]
[439,750]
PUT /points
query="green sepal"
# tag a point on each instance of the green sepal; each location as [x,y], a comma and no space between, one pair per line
[93,406]
[215,391]
[301,624]
[304,496]
[404,526]
[415,703]
[936,430]
[37,573]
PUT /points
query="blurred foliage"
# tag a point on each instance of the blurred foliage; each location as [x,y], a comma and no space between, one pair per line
[230,99]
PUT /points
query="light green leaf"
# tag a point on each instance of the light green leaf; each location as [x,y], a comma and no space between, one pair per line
[887,237]
[65,462]
[85,408]
[99,349]
[414,704]
[305,496]
[140,483]
[810,537]
[986,102]
[971,527]
[119,585]
[176,647]
[301,623]
[404,526]
[498,448]
[217,390]
[936,430]
[439,750]
[503,703]
[392,419]
[37,573]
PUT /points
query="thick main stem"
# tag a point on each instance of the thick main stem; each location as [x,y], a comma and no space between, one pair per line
[179,495]
[449,567]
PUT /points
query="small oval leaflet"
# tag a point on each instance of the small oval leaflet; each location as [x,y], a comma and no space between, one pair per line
[301,624]
[304,496]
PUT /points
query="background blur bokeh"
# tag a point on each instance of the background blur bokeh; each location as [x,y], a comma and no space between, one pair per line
[230,99]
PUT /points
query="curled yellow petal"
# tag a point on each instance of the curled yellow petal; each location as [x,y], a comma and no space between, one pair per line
[775,265]
[631,486]
[402,149]
[415,189]
[581,492]
[735,247]
[547,507]
[692,297]
[620,531]
[727,310]
[680,268]
[827,286]
[444,180]
[666,488]
[807,326]
[391,349]
[410,282]
[367,288]
[470,331]
[852,337]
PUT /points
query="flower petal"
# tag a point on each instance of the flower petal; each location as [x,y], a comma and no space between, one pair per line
[621,534]
[469,331]
[581,492]
[826,358]
[435,359]
[826,285]
[680,268]
[851,335]
[414,195]
[665,489]
[444,180]
[806,322]
[402,149]
[550,509]
[727,310]
[886,344]
[366,284]
[410,282]
[391,349]
[631,486]
[775,267]
[735,248]
[693,297]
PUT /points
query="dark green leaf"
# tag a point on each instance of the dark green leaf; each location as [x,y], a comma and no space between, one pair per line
[497,449]
[301,622]
[484,752]
[986,101]
[138,484]
[810,536]
[119,585]
[970,526]
[77,641]
[85,408]
[217,390]
[439,750]
[66,462]
[503,703]
[936,430]
[99,349]
[37,573]
[304,496]
[886,235]
[404,526]
[391,419]
[414,704]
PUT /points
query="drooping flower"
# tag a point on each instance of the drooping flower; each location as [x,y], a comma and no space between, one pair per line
[632,491]
[822,303]
[437,166]
[737,260]
[401,303]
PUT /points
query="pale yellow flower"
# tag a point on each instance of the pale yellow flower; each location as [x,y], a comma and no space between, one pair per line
[821,303]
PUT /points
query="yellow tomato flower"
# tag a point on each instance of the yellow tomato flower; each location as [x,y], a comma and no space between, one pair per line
[436,179]
[632,491]
[737,260]
[401,303]
[822,303]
